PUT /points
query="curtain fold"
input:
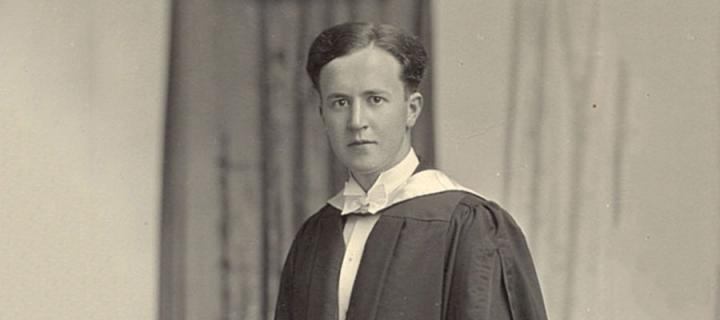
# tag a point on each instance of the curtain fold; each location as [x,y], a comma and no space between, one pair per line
[565,148]
[246,158]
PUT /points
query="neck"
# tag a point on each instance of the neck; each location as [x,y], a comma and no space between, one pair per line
[366,181]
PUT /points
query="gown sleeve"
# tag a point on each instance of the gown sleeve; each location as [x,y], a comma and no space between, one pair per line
[285,307]
[284,300]
[489,270]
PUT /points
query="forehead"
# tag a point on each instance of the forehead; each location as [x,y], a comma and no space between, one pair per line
[366,69]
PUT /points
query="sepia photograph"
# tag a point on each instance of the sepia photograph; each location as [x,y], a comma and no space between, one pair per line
[352,160]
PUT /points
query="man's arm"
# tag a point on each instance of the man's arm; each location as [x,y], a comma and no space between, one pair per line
[491,272]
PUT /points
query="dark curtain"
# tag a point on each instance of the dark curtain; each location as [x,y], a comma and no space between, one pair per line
[246,159]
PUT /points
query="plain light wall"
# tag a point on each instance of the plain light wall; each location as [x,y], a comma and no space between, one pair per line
[662,262]
[81,116]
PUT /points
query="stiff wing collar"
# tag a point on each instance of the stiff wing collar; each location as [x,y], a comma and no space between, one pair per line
[354,199]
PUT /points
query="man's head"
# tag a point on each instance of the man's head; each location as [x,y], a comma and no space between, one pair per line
[367,77]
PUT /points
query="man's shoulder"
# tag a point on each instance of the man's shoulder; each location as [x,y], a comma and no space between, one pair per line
[438,206]
[326,211]
[314,221]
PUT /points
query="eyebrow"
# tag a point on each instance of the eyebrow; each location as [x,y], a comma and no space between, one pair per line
[336,95]
[370,92]
[365,93]
[376,92]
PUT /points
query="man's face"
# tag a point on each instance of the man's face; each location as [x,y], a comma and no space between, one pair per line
[366,111]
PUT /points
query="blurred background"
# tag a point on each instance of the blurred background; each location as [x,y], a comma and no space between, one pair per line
[157,157]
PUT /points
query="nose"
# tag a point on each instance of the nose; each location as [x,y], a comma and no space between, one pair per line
[358,117]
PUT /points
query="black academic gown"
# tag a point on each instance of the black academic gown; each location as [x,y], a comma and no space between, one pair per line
[448,255]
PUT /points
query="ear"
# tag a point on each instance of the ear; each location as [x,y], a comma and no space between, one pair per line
[318,95]
[322,116]
[415,105]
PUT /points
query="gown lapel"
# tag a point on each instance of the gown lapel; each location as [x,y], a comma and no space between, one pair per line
[370,278]
[329,250]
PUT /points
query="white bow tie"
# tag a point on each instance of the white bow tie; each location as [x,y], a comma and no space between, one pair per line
[374,201]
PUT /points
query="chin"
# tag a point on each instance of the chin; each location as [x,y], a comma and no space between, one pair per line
[362,167]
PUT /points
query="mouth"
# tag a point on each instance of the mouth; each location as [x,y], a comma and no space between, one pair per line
[356,143]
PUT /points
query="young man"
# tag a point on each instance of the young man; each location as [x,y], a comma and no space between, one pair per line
[400,241]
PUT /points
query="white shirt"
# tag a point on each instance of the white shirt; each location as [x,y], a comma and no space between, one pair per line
[358,227]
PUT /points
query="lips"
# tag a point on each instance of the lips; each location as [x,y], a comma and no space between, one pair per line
[356,143]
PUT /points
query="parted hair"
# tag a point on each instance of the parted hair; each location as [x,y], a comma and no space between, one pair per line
[346,38]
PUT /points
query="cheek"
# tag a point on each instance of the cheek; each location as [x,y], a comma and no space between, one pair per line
[396,122]
[334,132]
[332,123]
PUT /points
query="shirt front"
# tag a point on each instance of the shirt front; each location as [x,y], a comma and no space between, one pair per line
[361,207]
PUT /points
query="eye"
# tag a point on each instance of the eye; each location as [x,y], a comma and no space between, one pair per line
[339,103]
[376,99]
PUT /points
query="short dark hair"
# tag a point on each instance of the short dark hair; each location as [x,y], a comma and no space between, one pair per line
[344,39]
